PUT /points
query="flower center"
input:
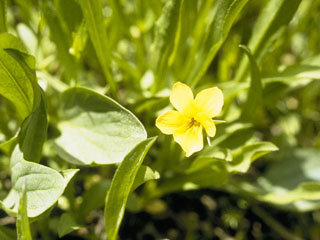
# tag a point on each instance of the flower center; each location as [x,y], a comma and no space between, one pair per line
[193,123]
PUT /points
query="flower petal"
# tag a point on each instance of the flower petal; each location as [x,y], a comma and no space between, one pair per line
[210,101]
[181,96]
[190,139]
[207,123]
[170,121]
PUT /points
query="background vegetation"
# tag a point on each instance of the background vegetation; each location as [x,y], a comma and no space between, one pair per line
[76,164]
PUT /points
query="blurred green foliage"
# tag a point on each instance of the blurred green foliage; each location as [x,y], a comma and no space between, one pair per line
[82,82]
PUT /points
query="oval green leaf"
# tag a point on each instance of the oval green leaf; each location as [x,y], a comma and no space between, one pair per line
[43,185]
[96,129]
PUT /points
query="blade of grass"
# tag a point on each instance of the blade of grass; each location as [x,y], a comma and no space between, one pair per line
[273,19]
[227,12]
[254,98]
[92,11]
[178,35]
[162,46]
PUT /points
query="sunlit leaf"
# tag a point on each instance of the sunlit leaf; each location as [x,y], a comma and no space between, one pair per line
[96,129]
[243,158]
[18,82]
[43,185]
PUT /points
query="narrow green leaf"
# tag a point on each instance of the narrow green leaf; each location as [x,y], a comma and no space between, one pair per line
[254,97]
[243,158]
[18,82]
[163,44]
[121,186]
[23,226]
[276,16]
[213,175]
[227,12]
[61,36]
[92,11]
[96,129]
[33,132]
[3,17]
[44,185]
[188,23]
[295,72]
[178,33]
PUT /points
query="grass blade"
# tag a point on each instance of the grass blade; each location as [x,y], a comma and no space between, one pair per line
[254,98]
[92,11]
[228,10]
[273,19]
[163,44]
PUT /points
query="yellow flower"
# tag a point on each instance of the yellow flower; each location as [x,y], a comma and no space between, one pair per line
[192,116]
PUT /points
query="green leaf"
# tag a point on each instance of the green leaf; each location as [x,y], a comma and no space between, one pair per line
[3,16]
[163,44]
[121,186]
[18,82]
[96,129]
[33,132]
[227,12]
[92,11]
[178,32]
[209,157]
[211,175]
[296,72]
[60,35]
[243,158]
[43,185]
[67,224]
[23,226]
[291,184]
[276,16]
[254,97]
[228,134]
